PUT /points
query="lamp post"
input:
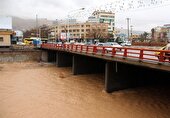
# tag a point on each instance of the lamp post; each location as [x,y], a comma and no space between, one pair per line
[68,33]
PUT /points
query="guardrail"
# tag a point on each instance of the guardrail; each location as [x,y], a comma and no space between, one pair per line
[148,55]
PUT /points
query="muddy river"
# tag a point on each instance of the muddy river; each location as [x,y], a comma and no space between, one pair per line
[41,90]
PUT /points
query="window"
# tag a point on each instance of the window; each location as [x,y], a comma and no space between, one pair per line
[1,39]
[87,30]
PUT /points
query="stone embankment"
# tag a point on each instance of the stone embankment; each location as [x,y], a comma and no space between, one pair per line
[20,54]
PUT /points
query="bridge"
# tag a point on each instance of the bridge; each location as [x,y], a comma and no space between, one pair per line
[123,67]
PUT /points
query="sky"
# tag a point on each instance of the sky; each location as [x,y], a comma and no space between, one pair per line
[143,14]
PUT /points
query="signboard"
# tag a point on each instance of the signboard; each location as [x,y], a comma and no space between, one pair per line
[63,36]
[5,22]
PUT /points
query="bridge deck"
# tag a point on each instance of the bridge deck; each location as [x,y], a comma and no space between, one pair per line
[139,57]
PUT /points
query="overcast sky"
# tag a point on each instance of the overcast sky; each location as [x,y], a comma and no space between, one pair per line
[143,14]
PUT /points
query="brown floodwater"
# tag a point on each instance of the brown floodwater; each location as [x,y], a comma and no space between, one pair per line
[41,90]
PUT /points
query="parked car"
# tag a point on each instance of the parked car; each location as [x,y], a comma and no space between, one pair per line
[20,43]
[109,46]
[113,44]
[126,43]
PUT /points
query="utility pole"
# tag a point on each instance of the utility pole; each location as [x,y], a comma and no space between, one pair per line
[131,30]
[55,33]
[40,32]
[37,26]
[128,27]
[69,20]
[58,36]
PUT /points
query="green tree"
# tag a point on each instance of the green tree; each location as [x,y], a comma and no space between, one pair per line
[145,34]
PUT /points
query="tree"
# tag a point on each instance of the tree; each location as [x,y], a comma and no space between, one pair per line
[43,30]
[29,33]
[98,33]
[165,36]
[145,34]
[153,33]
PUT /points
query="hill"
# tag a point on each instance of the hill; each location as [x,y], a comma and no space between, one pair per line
[27,24]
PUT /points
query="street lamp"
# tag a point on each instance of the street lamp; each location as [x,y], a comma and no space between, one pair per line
[69,21]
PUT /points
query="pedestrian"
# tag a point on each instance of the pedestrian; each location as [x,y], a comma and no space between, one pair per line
[167,47]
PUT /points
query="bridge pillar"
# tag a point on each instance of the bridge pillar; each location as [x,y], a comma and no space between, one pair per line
[87,65]
[119,76]
[63,59]
[51,56]
[44,56]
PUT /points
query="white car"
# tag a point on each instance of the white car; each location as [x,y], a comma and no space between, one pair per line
[113,44]
[109,46]
[20,43]
[126,43]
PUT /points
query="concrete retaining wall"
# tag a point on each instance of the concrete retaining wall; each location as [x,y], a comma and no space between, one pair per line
[20,56]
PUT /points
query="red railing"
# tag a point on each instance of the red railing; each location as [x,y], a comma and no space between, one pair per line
[148,55]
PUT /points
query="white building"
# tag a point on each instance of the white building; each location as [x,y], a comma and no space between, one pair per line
[66,21]
[104,17]
[93,19]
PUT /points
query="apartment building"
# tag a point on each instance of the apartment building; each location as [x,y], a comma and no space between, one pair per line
[102,16]
[79,31]
[161,32]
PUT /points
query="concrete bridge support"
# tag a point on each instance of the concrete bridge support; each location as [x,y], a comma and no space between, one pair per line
[44,56]
[87,65]
[51,56]
[116,78]
[63,59]
[121,76]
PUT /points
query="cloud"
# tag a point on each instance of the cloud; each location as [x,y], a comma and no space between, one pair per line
[141,19]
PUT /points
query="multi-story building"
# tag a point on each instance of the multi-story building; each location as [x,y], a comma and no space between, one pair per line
[79,31]
[161,32]
[93,19]
[104,17]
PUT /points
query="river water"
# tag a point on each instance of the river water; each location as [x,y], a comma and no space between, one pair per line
[41,90]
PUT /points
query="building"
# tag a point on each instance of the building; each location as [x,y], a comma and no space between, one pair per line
[78,31]
[17,37]
[5,38]
[103,16]
[93,19]
[5,31]
[66,21]
[161,33]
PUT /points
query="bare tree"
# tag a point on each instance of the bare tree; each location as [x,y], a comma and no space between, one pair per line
[98,33]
